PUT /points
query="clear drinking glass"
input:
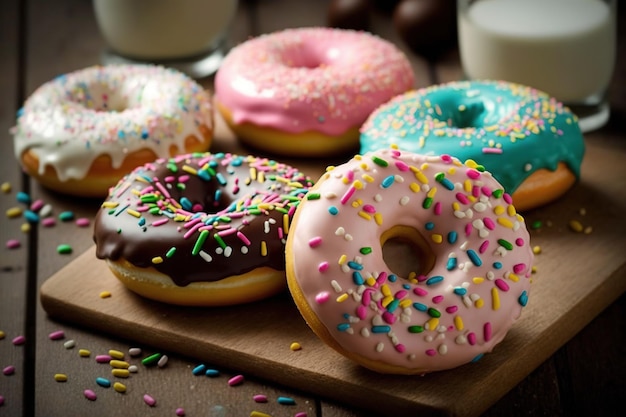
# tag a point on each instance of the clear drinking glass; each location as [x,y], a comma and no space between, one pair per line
[566,48]
[189,35]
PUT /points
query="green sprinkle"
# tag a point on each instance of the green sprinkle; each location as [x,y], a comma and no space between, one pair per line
[151,360]
[416,329]
[66,216]
[428,201]
[170,252]
[432,312]
[199,242]
[380,162]
[313,196]
[64,249]
[536,224]
[365,250]
[505,243]
[220,241]
[498,193]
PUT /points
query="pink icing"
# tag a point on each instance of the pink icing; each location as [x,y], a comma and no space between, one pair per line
[311,79]
[435,319]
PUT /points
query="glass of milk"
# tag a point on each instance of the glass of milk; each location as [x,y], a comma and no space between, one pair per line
[189,35]
[566,48]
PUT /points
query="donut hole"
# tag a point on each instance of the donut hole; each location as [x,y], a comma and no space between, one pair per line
[99,97]
[468,114]
[308,56]
[406,252]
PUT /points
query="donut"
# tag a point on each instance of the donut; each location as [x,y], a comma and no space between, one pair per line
[306,91]
[459,300]
[82,131]
[529,141]
[201,229]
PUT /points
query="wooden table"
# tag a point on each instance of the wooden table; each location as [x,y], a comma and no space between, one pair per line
[41,39]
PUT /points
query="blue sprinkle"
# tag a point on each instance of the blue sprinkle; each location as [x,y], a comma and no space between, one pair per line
[460,291]
[286,401]
[477,357]
[121,134]
[142,221]
[392,278]
[354,265]
[103,382]
[31,216]
[392,306]
[342,327]
[429,226]
[204,174]
[420,307]
[523,299]
[333,210]
[474,257]
[451,264]
[452,237]
[198,370]
[144,134]
[497,265]
[237,161]
[22,197]
[434,280]
[447,184]
[67,216]
[357,278]
[387,182]
[211,373]
[20,112]
[406,286]
[186,203]
[381,329]
[218,195]
[220,178]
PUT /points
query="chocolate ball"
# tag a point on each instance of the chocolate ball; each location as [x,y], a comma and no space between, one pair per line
[349,14]
[428,27]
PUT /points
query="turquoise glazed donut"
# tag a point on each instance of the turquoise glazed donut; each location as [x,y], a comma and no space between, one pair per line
[510,129]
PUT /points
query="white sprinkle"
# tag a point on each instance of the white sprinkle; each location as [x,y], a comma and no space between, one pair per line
[162,361]
[133,369]
[69,344]
[404,200]
[205,256]
[134,351]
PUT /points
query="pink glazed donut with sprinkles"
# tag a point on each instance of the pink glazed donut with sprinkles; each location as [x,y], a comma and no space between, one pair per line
[307,91]
[469,287]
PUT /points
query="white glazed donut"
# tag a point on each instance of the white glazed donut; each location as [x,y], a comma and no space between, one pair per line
[473,279]
[81,132]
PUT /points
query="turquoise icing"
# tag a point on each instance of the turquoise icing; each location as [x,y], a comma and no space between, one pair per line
[510,129]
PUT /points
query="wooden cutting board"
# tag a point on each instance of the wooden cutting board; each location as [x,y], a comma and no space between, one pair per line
[578,275]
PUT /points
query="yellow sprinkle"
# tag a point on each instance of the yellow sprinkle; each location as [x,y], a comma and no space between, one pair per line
[367,178]
[495,299]
[357,184]
[385,290]
[116,354]
[119,387]
[60,377]
[342,259]
[511,210]
[533,269]
[432,192]
[437,238]
[420,176]
[121,373]
[263,248]
[259,414]
[84,353]
[189,170]
[405,303]
[456,206]
[513,277]
[386,300]
[365,215]
[2,334]
[295,346]
[498,210]
[414,187]
[105,294]
[371,281]
[432,323]
[458,322]
[378,218]
[25,227]
[261,177]
[588,230]
[505,222]
[115,363]
[14,212]
[536,250]
[285,223]
[576,226]
[343,297]
[479,303]
[110,204]
[467,186]
[157,260]
[134,213]
[6,187]
[478,280]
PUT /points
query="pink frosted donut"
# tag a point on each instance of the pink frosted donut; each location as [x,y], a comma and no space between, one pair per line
[307,91]
[469,286]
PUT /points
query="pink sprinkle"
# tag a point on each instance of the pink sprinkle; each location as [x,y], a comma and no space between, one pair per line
[19,340]
[472,173]
[446,158]
[437,208]
[82,222]
[476,191]
[471,338]
[300,414]
[59,334]
[519,268]
[462,198]
[315,242]
[388,317]
[487,331]
[103,358]
[160,222]
[420,291]
[486,190]
[483,246]
[366,299]
[260,398]
[402,166]
[400,294]
[361,312]
[322,297]
[431,352]
[368,208]
[451,309]
[323,266]
[149,400]
[492,150]
[36,205]
[13,244]
[236,380]
[180,412]
[468,229]
[48,222]
[500,283]
[90,395]
[348,194]
[1,400]
[400,348]
[507,197]
[437,299]
[8,370]
[489,224]
[519,241]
